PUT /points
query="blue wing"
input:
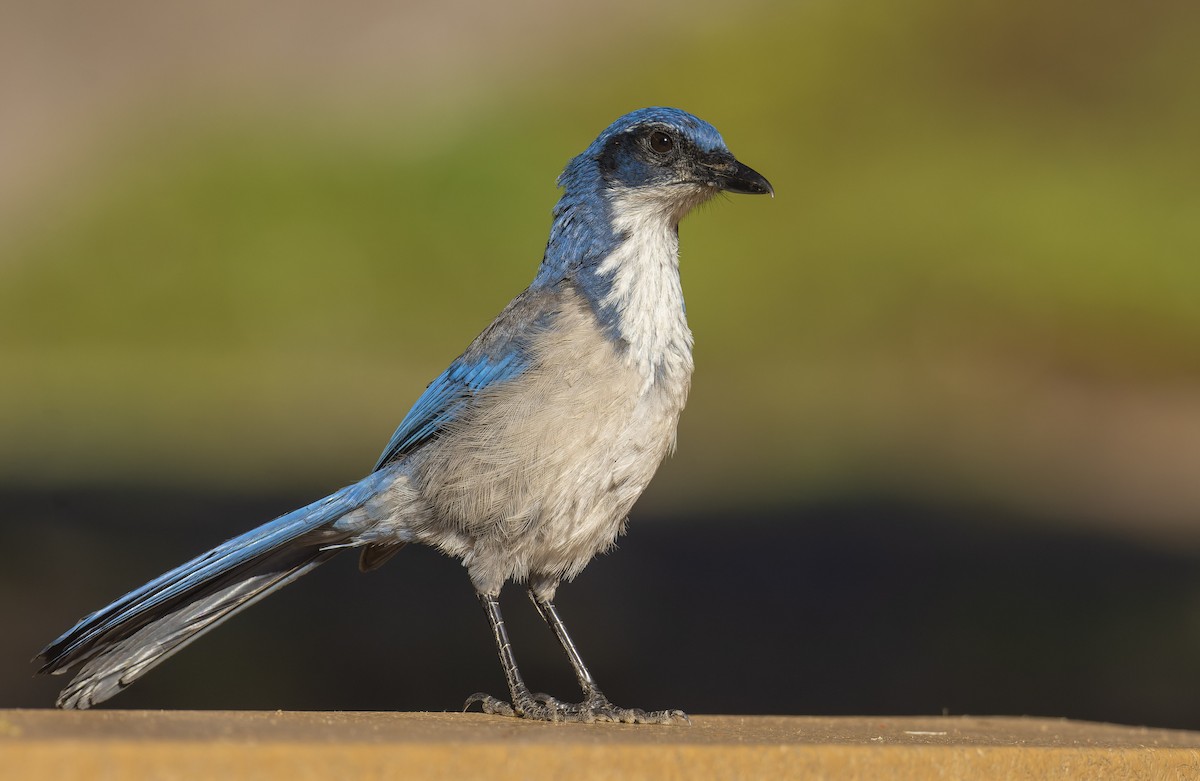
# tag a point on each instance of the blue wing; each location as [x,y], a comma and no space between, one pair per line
[446,397]
[502,352]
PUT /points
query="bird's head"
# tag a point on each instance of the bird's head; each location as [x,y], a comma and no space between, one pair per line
[660,157]
[644,172]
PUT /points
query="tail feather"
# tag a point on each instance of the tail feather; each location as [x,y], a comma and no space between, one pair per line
[119,643]
[117,663]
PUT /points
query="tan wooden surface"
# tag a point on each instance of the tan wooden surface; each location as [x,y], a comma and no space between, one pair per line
[114,744]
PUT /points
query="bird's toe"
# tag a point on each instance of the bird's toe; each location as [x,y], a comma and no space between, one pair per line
[489,704]
[543,707]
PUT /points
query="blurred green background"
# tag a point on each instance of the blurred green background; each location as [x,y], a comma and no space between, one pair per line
[236,242]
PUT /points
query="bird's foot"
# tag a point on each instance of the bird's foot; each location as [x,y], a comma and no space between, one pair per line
[596,708]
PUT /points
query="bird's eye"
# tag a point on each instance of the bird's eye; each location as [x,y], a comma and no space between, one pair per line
[661,143]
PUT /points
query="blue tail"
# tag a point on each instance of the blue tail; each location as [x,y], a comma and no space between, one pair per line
[117,644]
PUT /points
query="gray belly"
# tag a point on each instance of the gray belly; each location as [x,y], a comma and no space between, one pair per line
[539,474]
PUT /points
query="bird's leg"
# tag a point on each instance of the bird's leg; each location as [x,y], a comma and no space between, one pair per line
[523,702]
[549,614]
[595,706]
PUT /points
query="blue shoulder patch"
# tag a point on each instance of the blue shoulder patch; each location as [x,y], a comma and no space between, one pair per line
[446,397]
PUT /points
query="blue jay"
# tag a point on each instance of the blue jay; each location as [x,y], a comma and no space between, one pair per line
[522,459]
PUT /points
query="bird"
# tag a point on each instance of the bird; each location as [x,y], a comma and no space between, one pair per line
[522,459]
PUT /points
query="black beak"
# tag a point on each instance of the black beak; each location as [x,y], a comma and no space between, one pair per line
[734,177]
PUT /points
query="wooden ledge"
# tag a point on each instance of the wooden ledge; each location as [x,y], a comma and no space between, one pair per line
[37,744]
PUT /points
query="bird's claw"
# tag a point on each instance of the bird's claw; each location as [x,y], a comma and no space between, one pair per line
[543,707]
[489,704]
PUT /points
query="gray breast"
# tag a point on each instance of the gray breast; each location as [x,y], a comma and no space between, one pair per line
[539,473]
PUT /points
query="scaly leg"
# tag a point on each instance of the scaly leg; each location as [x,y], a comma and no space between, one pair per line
[523,702]
[543,707]
[595,706]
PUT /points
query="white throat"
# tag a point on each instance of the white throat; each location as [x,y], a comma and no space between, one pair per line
[646,292]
